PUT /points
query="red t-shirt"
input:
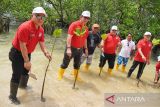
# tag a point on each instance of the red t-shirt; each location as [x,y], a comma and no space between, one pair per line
[158,66]
[110,44]
[80,34]
[28,33]
[146,47]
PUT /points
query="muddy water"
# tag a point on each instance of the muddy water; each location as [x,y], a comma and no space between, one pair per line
[60,93]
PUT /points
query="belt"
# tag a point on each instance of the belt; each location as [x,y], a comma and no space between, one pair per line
[76,48]
[18,50]
[15,49]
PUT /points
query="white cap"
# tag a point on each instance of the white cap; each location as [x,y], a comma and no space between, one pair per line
[148,33]
[158,58]
[114,28]
[39,10]
[86,14]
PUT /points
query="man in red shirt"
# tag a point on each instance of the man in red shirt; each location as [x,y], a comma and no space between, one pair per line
[157,73]
[142,55]
[109,46]
[26,38]
[76,41]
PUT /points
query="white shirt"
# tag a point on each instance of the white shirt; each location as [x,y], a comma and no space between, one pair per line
[127,47]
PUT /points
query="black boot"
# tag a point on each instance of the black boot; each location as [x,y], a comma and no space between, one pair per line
[23,81]
[13,93]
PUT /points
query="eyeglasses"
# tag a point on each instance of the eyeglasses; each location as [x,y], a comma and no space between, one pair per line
[96,27]
[148,36]
[114,30]
[87,18]
[40,17]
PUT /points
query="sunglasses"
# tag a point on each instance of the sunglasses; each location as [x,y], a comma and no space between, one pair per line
[87,18]
[114,30]
[96,27]
[128,44]
[40,17]
[148,36]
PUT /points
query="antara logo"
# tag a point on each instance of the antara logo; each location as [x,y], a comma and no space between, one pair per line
[125,99]
[111,99]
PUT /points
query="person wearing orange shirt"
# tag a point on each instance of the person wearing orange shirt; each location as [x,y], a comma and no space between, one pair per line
[142,56]
[157,73]
[27,36]
[76,41]
[109,46]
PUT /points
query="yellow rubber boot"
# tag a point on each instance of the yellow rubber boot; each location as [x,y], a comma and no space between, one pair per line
[86,67]
[123,68]
[60,73]
[75,71]
[100,68]
[117,66]
[109,71]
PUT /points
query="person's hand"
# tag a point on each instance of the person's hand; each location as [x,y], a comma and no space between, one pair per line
[69,53]
[144,58]
[148,62]
[86,52]
[131,58]
[47,54]
[102,49]
[27,65]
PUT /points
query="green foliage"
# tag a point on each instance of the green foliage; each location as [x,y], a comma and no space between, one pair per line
[22,9]
[57,33]
[4,6]
[156,41]
[104,36]
[134,16]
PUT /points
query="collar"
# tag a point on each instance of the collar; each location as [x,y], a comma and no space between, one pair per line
[145,40]
[112,35]
[33,26]
[128,41]
[80,23]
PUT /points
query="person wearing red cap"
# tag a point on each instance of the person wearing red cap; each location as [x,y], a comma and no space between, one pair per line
[26,38]
[76,41]
[93,41]
[142,55]
[109,45]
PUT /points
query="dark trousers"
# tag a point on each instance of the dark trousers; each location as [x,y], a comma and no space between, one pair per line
[110,57]
[140,70]
[76,55]
[18,69]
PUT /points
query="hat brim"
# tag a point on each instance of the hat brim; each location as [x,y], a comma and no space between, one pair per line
[147,35]
[114,29]
[96,26]
[40,13]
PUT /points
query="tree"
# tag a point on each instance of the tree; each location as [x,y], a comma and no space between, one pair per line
[3,9]
[21,9]
[134,16]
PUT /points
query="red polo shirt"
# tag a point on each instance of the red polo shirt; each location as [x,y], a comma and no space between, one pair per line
[146,47]
[110,44]
[28,33]
[80,34]
[158,66]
